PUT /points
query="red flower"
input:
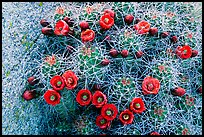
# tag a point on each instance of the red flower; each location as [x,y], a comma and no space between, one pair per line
[150,85]
[61,28]
[102,122]
[142,27]
[137,105]
[84,97]
[154,133]
[52,97]
[57,82]
[99,99]
[178,91]
[109,111]
[126,117]
[109,11]
[70,79]
[87,35]
[106,21]
[184,52]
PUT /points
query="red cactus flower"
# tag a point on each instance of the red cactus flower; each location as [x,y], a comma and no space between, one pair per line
[142,27]
[194,53]
[99,99]
[61,28]
[57,82]
[150,85]
[153,31]
[70,79]
[87,35]
[124,53]
[106,21]
[109,111]
[52,97]
[84,25]
[29,94]
[126,117]
[109,11]
[178,91]
[154,133]
[102,123]
[184,52]
[84,97]
[129,18]
[137,105]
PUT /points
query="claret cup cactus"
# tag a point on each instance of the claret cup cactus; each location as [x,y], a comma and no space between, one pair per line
[118,68]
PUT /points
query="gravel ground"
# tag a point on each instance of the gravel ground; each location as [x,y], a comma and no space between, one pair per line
[19,18]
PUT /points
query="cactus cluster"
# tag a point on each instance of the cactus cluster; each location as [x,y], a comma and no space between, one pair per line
[130,51]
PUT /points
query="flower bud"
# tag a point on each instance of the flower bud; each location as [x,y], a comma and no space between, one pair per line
[97,87]
[47,31]
[44,23]
[84,25]
[124,53]
[164,34]
[69,21]
[29,94]
[153,31]
[139,54]
[137,20]
[129,18]
[113,52]
[105,62]
[194,53]
[199,90]
[178,91]
[174,39]
[32,81]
